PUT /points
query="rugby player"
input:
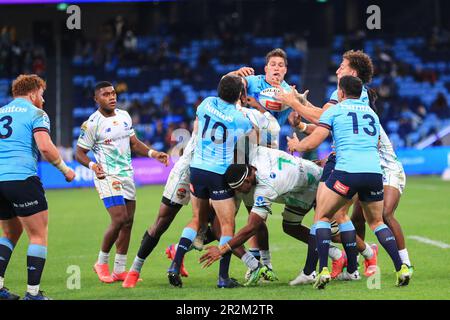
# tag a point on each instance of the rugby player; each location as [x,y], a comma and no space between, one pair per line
[109,134]
[359,64]
[220,124]
[24,131]
[356,131]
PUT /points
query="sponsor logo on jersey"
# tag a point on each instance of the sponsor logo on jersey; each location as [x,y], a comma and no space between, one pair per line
[273,175]
[26,204]
[108,141]
[115,123]
[340,187]
[259,201]
[117,185]
[108,130]
[181,193]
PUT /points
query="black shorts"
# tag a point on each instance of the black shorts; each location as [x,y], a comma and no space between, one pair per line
[209,185]
[368,186]
[329,167]
[21,198]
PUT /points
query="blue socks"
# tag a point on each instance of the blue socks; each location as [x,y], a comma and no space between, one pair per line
[225,261]
[348,238]
[6,249]
[387,240]
[323,239]
[36,256]
[187,237]
[312,257]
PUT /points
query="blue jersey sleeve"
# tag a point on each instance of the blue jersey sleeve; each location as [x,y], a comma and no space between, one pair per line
[252,82]
[245,124]
[327,118]
[334,97]
[40,121]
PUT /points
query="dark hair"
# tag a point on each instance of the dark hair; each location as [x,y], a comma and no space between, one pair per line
[361,63]
[278,52]
[235,173]
[26,83]
[351,86]
[230,88]
[102,84]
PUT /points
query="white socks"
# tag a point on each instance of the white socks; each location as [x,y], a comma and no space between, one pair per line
[250,261]
[404,256]
[2,281]
[103,257]
[33,290]
[368,252]
[334,253]
[265,258]
[120,263]
[137,264]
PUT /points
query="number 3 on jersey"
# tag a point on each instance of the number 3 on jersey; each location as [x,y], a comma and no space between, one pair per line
[5,125]
[365,116]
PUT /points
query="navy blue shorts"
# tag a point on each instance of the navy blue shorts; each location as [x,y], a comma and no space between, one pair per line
[329,167]
[21,198]
[368,186]
[210,185]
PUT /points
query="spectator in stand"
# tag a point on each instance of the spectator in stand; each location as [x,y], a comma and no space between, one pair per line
[440,107]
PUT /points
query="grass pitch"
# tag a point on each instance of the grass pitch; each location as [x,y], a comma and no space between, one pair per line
[78,221]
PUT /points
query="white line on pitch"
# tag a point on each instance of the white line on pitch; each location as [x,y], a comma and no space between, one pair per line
[431,242]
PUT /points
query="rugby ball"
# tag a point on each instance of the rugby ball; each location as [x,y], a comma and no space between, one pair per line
[267,99]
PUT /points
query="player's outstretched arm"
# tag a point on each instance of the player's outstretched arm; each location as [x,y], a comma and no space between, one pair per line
[214,253]
[242,72]
[83,159]
[310,142]
[138,147]
[51,154]
[303,107]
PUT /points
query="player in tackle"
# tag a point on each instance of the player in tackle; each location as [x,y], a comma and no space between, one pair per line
[24,131]
[356,131]
[109,134]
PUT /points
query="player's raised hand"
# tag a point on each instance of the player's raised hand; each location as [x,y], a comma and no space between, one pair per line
[303,97]
[293,142]
[213,254]
[294,119]
[245,71]
[287,98]
[70,175]
[161,157]
[252,102]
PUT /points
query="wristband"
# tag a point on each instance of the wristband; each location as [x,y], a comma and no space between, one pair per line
[61,165]
[150,153]
[91,164]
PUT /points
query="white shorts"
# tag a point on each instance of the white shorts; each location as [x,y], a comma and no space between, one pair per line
[177,185]
[396,179]
[114,186]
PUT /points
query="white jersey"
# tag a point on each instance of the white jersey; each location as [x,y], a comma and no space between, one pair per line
[282,178]
[388,158]
[109,139]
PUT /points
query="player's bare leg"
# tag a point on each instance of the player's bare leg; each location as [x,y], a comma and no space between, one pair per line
[200,209]
[391,200]
[12,230]
[166,215]
[36,227]
[119,218]
[373,212]
[123,242]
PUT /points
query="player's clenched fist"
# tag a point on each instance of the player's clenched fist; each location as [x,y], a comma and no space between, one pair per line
[161,157]
[70,175]
[98,170]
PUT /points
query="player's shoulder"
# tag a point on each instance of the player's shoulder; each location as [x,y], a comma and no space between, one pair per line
[92,121]
[123,113]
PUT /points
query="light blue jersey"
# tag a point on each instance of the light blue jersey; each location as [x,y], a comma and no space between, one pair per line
[364,96]
[356,130]
[256,84]
[220,125]
[18,151]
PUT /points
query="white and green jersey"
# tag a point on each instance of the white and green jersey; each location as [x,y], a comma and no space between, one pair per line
[389,161]
[109,140]
[282,178]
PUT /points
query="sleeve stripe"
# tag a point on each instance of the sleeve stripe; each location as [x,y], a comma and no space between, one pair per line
[324,125]
[40,129]
[332,101]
